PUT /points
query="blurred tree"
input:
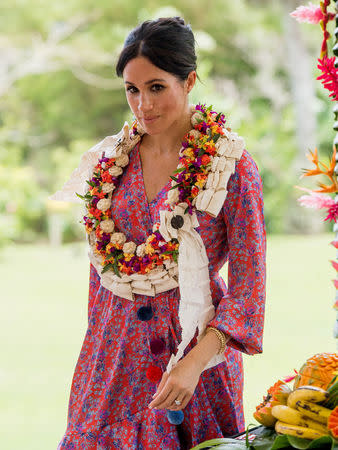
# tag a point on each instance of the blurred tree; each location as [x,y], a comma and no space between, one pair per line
[60,93]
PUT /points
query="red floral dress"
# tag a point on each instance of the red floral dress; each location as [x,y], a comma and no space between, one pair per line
[110,392]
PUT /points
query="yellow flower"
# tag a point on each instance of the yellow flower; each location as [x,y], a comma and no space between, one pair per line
[109,247]
[189,152]
[127,256]
[200,183]
[149,249]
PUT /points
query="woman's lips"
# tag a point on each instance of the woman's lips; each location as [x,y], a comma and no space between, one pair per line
[150,119]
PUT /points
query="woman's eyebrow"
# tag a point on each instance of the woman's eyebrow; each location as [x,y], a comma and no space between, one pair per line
[147,82]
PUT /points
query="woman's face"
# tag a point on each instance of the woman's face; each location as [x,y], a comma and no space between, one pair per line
[158,99]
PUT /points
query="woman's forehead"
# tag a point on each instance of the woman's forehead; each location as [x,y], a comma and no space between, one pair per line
[140,70]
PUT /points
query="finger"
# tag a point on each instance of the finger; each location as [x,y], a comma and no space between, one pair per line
[169,401]
[175,407]
[162,383]
[161,397]
[186,400]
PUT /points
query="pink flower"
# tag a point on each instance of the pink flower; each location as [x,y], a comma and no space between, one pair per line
[309,14]
[315,200]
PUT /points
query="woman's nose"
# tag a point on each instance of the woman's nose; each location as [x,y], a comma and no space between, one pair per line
[145,103]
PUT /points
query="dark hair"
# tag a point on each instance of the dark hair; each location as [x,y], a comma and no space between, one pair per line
[167,42]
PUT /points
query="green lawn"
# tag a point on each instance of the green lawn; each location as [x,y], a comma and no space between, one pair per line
[44,314]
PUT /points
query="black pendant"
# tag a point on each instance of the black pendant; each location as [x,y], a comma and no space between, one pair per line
[177,222]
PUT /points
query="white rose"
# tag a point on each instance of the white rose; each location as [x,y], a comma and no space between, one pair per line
[122,160]
[103,204]
[107,226]
[118,238]
[108,187]
[115,171]
[196,118]
[156,226]
[141,250]
[173,196]
[194,133]
[129,248]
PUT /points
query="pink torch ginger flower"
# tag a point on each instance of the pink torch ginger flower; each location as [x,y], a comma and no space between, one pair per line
[309,14]
[315,200]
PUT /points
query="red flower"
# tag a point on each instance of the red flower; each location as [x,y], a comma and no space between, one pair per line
[329,75]
[106,177]
[332,213]
[334,265]
[205,159]
[194,191]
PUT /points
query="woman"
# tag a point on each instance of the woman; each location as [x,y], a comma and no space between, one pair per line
[156,349]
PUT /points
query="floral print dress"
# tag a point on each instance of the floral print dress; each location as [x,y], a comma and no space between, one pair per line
[110,391]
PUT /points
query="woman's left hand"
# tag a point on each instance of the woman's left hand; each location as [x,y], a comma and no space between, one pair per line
[179,385]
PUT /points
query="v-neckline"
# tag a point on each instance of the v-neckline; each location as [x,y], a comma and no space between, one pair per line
[143,184]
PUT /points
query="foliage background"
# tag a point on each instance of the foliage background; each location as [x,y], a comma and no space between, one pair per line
[59,96]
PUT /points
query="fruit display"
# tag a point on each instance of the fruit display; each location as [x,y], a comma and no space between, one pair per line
[308,411]
[317,370]
[277,395]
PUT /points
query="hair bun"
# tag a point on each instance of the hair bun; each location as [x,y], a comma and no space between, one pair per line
[171,20]
[179,20]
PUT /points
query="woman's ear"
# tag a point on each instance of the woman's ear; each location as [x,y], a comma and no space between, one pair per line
[190,81]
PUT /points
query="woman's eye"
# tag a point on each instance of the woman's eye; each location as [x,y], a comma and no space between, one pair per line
[157,87]
[131,89]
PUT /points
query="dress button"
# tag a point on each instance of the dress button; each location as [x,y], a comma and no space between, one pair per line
[145,313]
[175,417]
[157,346]
[154,374]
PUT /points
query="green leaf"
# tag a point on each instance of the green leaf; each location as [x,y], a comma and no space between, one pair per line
[280,442]
[79,195]
[221,444]
[91,183]
[216,137]
[116,269]
[107,267]
[174,178]
[297,442]
[179,170]
[200,152]
[174,187]
[218,116]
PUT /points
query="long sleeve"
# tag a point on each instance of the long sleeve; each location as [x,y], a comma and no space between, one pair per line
[240,313]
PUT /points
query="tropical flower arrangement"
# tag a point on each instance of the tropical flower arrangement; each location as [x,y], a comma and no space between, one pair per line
[319,14]
[199,146]
[321,198]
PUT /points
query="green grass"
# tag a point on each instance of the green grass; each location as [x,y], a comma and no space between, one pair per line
[43,319]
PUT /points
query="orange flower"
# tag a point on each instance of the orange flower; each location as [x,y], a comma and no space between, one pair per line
[327,171]
[205,159]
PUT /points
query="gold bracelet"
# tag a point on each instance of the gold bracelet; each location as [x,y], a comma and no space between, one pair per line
[221,336]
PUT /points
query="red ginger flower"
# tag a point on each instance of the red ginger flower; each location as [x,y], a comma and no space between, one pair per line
[329,75]
[332,213]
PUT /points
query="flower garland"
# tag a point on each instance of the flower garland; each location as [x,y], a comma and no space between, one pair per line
[196,159]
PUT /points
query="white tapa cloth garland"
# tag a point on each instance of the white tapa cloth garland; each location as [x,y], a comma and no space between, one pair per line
[196,308]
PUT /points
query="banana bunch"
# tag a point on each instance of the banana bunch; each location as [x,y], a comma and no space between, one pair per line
[303,416]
